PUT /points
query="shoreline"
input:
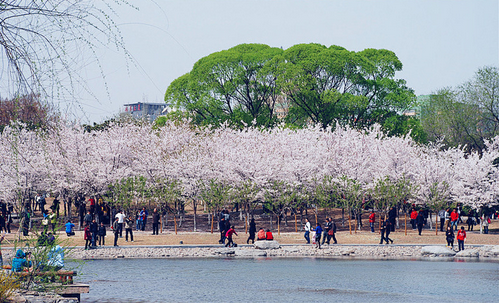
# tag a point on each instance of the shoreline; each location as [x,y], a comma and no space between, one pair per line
[487,253]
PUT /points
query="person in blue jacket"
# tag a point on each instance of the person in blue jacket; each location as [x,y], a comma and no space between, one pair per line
[69,228]
[20,261]
[318,233]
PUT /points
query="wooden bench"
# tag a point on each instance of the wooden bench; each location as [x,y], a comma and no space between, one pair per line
[65,276]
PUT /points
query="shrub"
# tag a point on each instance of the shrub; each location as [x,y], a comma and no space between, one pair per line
[8,284]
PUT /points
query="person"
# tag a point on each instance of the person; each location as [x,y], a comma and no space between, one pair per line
[307,230]
[129,228]
[92,205]
[392,216]
[223,231]
[261,235]
[137,220]
[115,231]
[372,220]
[102,234]
[382,230]
[414,216]
[385,231]
[69,228]
[485,223]
[9,220]
[20,261]
[441,215]
[461,237]
[55,206]
[2,222]
[269,236]
[94,229]
[1,259]
[328,226]
[121,219]
[53,220]
[26,222]
[41,202]
[449,236]
[45,239]
[470,223]
[420,221]
[333,233]
[155,222]
[143,217]
[318,233]
[228,235]
[87,219]
[447,217]
[252,231]
[87,236]
[45,221]
[453,219]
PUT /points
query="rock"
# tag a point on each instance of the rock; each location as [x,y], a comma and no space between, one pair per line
[225,251]
[467,253]
[250,253]
[267,245]
[440,251]
[494,251]
[347,252]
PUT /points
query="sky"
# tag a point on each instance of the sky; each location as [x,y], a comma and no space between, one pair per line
[440,43]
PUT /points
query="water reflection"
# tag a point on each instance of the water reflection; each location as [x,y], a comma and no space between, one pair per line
[287,280]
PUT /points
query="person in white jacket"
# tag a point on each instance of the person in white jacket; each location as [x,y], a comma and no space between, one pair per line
[307,230]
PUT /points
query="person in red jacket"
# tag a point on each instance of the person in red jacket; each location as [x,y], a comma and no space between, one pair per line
[414,216]
[372,220]
[269,235]
[228,235]
[454,216]
[261,235]
[461,236]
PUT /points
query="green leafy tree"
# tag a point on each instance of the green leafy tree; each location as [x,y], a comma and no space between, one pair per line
[307,83]
[467,115]
[328,85]
[235,85]
[216,195]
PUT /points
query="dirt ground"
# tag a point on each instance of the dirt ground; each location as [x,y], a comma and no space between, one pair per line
[186,236]
[169,237]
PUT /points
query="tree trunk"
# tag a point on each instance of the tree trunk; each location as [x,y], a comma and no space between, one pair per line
[212,218]
[194,206]
[349,222]
[175,222]
[436,223]
[405,223]
[296,225]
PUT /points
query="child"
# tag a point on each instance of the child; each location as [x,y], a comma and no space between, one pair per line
[461,237]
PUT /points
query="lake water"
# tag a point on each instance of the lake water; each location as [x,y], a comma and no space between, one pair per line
[288,280]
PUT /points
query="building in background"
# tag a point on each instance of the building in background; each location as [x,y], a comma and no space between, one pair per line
[145,110]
